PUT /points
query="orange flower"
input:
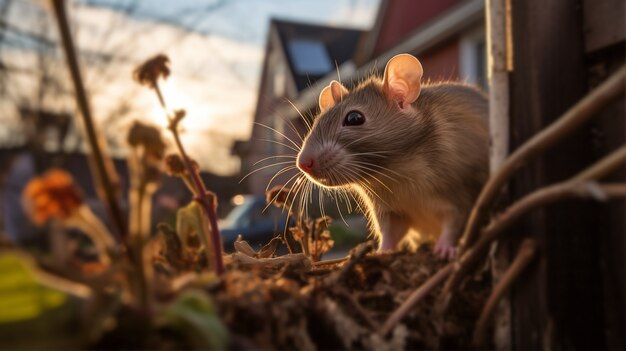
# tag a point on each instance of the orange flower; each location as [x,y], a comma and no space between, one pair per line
[52,195]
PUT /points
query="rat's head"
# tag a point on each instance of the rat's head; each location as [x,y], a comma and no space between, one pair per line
[359,133]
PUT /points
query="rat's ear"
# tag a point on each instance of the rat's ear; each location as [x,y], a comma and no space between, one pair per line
[402,80]
[331,95]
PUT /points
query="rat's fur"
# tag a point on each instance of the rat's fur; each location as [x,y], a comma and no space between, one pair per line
[416,168]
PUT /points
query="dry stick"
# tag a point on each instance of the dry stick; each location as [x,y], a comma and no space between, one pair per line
[330,261]
[358,253]
[415,297]
[597,170]
[541,197]
[524,256]
[586,108]
[604,167]
[201,196]
[356,307]
[103,173]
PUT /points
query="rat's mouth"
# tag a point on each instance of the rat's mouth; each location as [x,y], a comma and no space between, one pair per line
[325,179]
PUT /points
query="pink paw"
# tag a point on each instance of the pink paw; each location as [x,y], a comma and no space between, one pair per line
[445,250]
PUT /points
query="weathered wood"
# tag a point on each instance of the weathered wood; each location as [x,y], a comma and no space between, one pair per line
[610,133]
[604,23]
[560,305]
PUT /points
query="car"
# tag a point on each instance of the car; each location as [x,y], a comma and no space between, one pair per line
[251,217]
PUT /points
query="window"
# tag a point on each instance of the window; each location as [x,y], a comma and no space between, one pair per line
[309,57]
[474,58]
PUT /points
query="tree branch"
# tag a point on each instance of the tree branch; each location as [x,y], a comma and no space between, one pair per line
[525,255]
[586,108]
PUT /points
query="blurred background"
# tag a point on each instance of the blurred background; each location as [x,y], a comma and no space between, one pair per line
[237,68]
[249,73]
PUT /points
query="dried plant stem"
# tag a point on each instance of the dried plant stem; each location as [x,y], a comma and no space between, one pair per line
[538,198]
[100,162]
[201,195]
[84,220]
[140,198]
[523,258]
[330,262]
[586,108]
[357,254]
[416,296]
[541,197]
[603,167]
[355,306]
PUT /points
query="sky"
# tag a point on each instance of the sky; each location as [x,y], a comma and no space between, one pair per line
[216,48]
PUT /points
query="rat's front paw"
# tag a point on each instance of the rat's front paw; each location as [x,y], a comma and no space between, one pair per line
[445,249]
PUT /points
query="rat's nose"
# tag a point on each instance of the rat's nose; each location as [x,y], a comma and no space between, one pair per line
[306,165]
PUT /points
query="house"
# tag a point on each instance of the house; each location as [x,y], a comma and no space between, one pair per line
[296,57]
[447,36]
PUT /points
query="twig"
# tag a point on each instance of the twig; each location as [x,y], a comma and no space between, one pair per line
[358,253]
[541,197]
[101,164]
[415,297]
[201,195]
[603,167]
[524,256]
[330,262]
[274,262]
[586,108]
[356,307]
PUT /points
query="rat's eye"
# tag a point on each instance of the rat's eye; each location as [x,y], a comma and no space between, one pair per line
[354,118]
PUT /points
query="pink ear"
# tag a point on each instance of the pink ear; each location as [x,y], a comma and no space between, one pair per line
[326,100]
[402,80]
[338,91]
[332,95]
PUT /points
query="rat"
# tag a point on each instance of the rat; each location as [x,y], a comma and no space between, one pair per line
[415,154]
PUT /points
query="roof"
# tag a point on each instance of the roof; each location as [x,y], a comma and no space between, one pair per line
[313,51]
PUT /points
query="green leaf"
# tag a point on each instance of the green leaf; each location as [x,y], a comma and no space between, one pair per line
[194,315]
[22,295]
[190,221]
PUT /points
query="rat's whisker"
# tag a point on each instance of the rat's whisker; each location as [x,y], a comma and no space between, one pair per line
[273,157]
[335,197]
[372,153]
[284,170]
[279,133]
[294,129]
[323,192]
[365,170]
[265,167]
[306,122]
[280,192]
[368,166]
[298,186]
[283,144]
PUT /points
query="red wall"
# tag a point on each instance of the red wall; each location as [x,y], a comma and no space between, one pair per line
[402,17]
[441,62]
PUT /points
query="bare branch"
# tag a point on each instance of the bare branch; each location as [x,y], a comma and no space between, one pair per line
[524,256]
[586,108]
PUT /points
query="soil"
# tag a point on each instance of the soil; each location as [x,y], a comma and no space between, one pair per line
[333,306]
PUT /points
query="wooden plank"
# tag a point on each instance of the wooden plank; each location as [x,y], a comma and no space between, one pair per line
[559,304]
[604,23]
[609,132]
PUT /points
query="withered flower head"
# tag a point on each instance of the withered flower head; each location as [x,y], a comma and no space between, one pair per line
[151,70]
[52,195]
[174,165]
[277,195]
[147,136]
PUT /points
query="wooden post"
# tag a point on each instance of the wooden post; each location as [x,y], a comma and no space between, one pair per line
[559,304]
[500,64]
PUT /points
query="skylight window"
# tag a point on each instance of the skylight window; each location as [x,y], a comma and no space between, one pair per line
[309,57]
